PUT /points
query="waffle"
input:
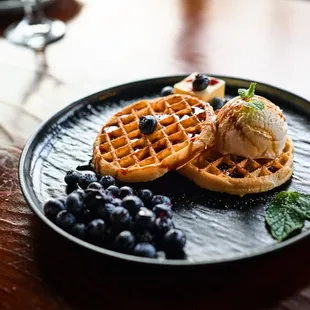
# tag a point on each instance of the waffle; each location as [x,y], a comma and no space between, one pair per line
[238,175]
[185,127]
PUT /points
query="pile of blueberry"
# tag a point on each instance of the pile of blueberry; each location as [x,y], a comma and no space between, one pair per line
[117,218]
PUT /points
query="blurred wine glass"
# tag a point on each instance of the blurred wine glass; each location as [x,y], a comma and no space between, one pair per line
[35,30]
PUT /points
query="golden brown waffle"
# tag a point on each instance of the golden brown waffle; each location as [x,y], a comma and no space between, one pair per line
[238,175]
[185,127]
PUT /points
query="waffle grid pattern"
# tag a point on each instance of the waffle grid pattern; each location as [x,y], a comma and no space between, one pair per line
[240,167]
[179,120]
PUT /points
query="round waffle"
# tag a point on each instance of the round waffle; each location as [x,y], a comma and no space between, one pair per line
[238,175]
[185,127]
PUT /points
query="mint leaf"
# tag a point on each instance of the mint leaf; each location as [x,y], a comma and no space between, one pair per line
[247,94]
[302,205]
[242,93]
[259,105]
[283,221]
[287,213]
[251,90]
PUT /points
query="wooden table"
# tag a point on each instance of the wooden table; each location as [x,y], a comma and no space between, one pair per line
[108,43]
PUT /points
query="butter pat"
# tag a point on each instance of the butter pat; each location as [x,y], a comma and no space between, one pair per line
[216,88]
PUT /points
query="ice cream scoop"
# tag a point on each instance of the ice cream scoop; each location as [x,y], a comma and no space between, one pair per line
[251,126]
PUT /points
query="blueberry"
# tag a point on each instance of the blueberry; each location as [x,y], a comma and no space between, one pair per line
[217,103]
[132,227]
[174,241]
[162,211]
[94,185]
[70,188]
[86,178]
[65,219]
[72,177]
[144,236]
[145,218]
[124,242]
[133,204]
[63,199]
[113,190]
[75,203]
[52,207]
[162,226]
[104,212]
[96,198]
[96,228]
[85,217]
[117,202]
[160,199]
[125,191]
[145,195]
[147,124]
[145,250]
[107,180]
[166,91]
[120,218]
[79,230]
[200,82]
[176,255]
[80,192]
[110,235]
[85,166]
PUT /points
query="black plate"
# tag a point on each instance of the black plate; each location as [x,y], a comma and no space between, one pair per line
[220,228]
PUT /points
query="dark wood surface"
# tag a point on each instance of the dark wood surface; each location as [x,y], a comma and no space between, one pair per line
[108,43]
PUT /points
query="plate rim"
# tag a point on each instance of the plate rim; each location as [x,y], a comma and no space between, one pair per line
[258,252]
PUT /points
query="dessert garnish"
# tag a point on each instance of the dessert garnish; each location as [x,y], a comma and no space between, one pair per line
[166,91]
[117,218]
[200,82]
[145,250]
[217,103]
[147,124]
[247,95]
[287,213]
[201,86]
[174,240]
[85,166]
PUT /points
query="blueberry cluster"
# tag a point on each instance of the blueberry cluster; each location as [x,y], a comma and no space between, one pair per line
[118,218]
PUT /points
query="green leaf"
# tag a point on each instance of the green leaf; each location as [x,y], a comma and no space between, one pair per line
[259,105]
[302,205]
[242,93]
[287,213]
[283,221]
[247,94]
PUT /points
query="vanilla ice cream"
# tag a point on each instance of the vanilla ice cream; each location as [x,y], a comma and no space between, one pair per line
[253,128]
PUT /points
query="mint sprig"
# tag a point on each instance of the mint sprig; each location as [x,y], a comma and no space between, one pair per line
[247,94]
[254,105]
[287,213]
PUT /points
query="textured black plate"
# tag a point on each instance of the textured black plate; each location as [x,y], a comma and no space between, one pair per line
[220,228]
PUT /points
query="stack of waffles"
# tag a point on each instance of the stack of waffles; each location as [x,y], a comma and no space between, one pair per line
[185,140]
